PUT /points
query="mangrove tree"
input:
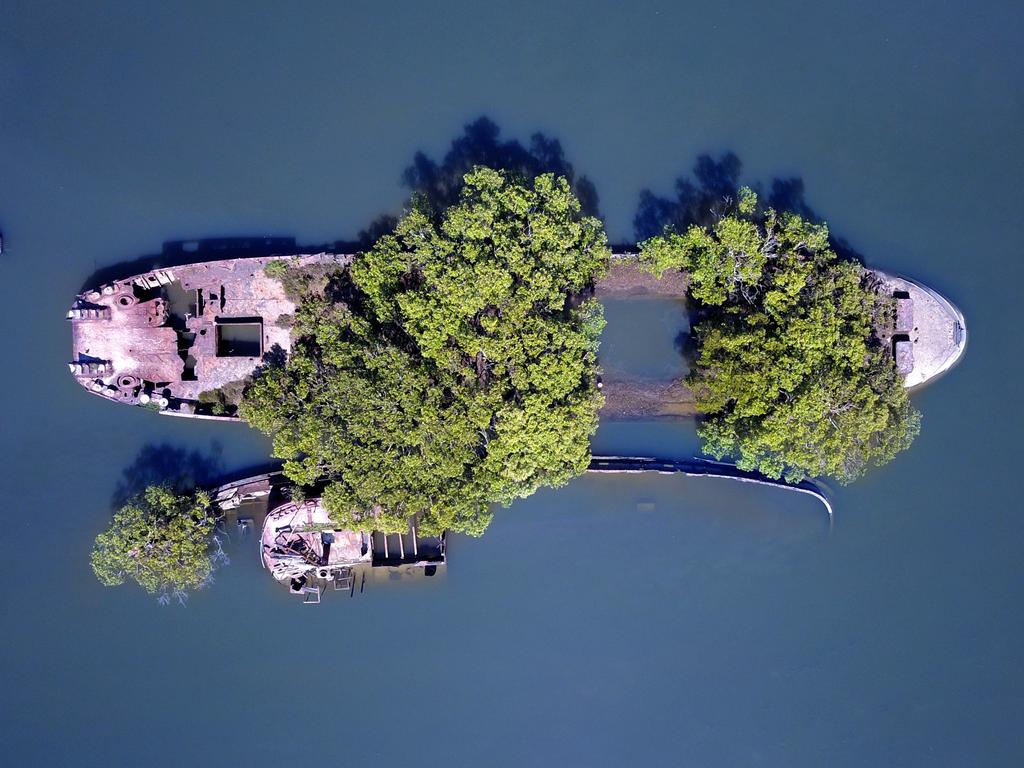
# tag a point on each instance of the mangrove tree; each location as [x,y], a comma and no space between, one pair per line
[163,540]
[789,377]
[450,367]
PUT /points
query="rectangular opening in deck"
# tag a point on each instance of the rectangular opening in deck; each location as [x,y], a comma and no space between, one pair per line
[240,337]
[182,302]
[903,351]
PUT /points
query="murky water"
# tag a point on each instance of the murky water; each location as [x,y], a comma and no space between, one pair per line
[643,338]
[617,621]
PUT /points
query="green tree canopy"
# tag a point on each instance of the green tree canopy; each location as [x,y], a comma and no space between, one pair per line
[162,540]
[790,377]
[451,367]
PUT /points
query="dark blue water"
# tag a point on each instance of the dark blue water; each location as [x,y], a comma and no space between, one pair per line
[614,622]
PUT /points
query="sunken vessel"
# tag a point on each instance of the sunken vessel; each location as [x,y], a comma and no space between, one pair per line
[185,340]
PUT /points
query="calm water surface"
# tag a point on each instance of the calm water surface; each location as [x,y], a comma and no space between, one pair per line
[642,338]
[617,621]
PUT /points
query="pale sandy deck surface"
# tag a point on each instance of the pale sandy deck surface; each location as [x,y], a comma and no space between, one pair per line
[939,332]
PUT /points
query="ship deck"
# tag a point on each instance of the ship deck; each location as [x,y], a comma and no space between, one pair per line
[166,337]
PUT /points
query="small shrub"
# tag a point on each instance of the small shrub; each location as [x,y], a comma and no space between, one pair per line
[276,269]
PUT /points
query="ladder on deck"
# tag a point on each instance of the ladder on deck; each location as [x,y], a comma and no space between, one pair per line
[395,548]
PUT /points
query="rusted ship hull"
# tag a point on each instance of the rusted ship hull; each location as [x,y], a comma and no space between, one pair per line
[298,541]
[183,340]
[303,550]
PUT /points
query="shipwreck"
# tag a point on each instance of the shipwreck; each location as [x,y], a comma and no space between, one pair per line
[185,340]
[303,550]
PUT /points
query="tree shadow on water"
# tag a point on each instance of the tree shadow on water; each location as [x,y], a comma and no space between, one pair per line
[711,193]
[439,183]
[787,194]
[706,195]
[698,202]
[686,346]
[162,463]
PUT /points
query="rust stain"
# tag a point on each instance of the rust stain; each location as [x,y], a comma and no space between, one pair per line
[161,338]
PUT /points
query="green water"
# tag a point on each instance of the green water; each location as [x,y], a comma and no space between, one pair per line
[618,621]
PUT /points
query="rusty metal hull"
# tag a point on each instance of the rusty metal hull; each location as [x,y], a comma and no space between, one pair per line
[163,338]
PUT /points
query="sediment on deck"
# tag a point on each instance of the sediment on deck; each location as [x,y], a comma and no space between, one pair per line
[929,334]
[625,279]
[635,399]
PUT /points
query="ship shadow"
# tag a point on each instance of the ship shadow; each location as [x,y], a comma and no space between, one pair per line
[176,253]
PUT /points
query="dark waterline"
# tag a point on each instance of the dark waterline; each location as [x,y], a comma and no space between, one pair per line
[618,621]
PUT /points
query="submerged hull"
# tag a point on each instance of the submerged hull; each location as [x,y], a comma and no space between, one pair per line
[298,541]
[303,550]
